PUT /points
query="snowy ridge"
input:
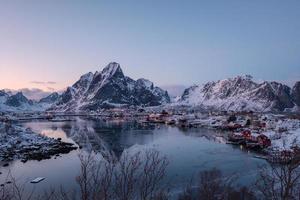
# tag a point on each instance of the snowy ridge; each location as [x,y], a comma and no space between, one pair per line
[18,103]
[240,93]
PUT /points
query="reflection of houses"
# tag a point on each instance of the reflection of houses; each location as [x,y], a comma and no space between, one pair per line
[183,122]
[158,117]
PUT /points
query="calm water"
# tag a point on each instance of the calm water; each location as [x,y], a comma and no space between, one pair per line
[189,151]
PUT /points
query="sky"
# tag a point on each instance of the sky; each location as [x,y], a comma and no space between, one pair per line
[48,45]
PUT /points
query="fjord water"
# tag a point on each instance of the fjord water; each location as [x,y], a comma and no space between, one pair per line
[189,151]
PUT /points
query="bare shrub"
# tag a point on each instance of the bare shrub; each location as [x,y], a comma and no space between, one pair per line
[133,176]
[127,176]
[280,181]
[6,193]
[11,190]
[153,172]
[53,194]
[213,185]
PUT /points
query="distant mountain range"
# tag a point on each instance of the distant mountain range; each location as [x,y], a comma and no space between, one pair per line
[242,93]
[18,102]
[111,88]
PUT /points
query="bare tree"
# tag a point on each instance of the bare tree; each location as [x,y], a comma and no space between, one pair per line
[213,185]
[6,193]
[89,169]
[54,194]
[133,176]
[280,181]
[153,172]
[12,190]
[127,176]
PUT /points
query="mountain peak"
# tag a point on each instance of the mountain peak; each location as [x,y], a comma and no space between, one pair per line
[17,100]
[246,76]
[112,68]
[21,96]
[110,88]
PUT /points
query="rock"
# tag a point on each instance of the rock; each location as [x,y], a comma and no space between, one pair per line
[296,93]
[50,99]
[17,100]
[5,165]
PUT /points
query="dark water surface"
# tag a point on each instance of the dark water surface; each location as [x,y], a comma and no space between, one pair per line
[189,151]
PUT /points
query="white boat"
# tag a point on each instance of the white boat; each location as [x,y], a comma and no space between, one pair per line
[37,180]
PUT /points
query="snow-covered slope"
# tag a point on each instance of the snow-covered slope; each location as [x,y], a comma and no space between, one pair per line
[109,88]
[17,102]
[50,98]
[239,93]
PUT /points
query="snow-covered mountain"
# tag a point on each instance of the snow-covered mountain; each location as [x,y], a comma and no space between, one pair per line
[296,93]
[109,88]
[17,102]
[50,99]
[242,93]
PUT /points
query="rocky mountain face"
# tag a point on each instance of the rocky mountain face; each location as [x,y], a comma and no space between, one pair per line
[242,93]
[296,93]
[52,98]
[3,93]
[109,88]
[17,102]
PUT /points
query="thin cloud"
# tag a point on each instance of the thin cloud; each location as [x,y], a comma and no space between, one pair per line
[51,82]
[38,82]
[44,82]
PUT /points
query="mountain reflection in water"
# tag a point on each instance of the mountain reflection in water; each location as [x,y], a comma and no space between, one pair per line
[188,150]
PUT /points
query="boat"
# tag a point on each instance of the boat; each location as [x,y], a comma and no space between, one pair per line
[37,180]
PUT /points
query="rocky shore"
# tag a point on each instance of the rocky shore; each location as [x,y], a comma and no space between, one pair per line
[16,142]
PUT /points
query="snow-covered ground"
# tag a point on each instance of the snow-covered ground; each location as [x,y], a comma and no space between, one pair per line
[16,142]
[284,133]
[283,130]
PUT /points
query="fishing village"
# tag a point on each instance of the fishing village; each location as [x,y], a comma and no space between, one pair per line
[273,137]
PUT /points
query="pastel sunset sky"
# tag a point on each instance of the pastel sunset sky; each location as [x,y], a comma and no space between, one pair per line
[50,44]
